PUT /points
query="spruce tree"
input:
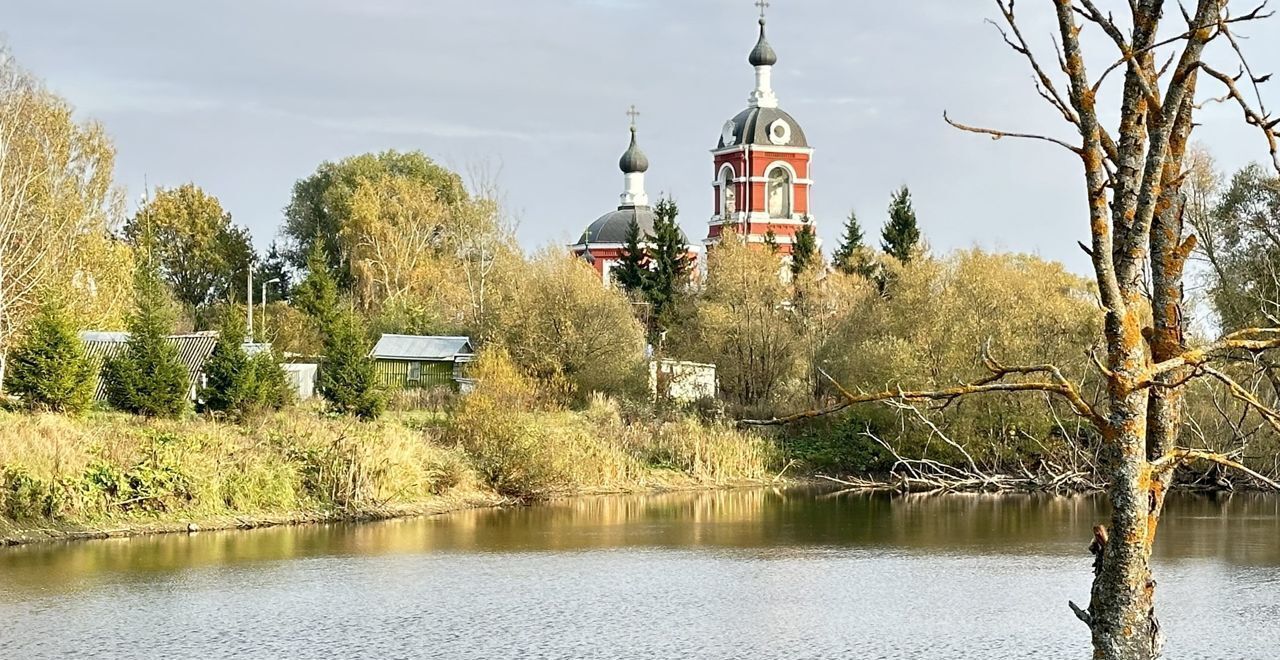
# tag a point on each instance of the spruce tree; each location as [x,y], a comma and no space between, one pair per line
[348,379]
[632,271]
[317,294]
[846,257]
[804,252]
[229,375]
[670,263]
[49,369]
[148,379]
[771,241]
[901,236]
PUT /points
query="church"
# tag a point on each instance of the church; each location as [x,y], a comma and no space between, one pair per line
[761,185]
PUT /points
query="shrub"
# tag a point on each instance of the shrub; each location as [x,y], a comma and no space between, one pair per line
[49,370]
[839,446]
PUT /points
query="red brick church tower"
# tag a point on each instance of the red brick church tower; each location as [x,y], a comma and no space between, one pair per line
[761,164]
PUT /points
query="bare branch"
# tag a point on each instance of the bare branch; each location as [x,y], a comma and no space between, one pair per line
[998,134]
[1182,456]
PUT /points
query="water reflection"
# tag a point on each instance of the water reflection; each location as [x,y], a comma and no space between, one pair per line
[1240,529]
[765,573]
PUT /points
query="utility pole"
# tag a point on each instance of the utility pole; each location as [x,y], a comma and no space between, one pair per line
[263,299]
[249,306]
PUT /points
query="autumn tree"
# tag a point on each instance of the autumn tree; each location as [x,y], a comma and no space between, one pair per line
[744,324]
[559,324]
[58,209]
[900,237]
[320,211]
[1131,142]
[200,253]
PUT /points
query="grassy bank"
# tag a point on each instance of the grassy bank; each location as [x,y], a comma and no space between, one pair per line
[66,477]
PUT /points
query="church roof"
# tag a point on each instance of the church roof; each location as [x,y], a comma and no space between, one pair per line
[754,126]
[762,54]
[612,226]
[633,160]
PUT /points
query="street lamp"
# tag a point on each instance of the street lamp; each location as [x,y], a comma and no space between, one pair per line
[274,280]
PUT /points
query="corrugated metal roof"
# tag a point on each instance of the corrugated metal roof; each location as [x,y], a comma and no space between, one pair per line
[193,351]
[412,347]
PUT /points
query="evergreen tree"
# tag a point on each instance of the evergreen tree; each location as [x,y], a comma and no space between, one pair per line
[901,236]
[670,263]
[148,378]
[804,252]
[274,267]
[348,379]
[771,241]
[632,271]
[846,258]
[271,386]
[229,375]
[317,294]
[49,369]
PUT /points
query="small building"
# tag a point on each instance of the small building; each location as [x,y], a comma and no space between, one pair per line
[193,351]
[682,382]
[411,361]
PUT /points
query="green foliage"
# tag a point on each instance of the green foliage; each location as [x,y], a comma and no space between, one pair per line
[841,446]
[900,237]
[49,369]
[148,379]
[1239,242]
[202,256]
[274,267]
[319,212]
[26,497]
[237,384]
[771,241]
[851,257]
[671,264]
[348,378]
[632,271]
[805,254]
[317,294]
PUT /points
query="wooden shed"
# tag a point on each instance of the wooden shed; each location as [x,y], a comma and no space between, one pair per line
[412,361]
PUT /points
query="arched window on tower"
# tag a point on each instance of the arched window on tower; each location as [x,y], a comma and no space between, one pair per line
[728,195]
[779,193]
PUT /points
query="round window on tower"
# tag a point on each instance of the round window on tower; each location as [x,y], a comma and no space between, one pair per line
[780,132]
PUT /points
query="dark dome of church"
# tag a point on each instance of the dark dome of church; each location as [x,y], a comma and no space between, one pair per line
[612,226]
[762,54]
[767,127]
[633,160]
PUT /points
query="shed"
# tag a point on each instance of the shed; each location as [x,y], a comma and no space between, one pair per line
[412,361]
[193,351]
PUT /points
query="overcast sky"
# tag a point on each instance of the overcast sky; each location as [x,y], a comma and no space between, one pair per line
[245,97]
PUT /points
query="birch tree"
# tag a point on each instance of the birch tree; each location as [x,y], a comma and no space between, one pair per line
[56,201]
[1130,139]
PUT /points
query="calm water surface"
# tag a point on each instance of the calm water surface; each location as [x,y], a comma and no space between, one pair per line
[742,574]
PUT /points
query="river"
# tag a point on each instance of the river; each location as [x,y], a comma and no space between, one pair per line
[790,574]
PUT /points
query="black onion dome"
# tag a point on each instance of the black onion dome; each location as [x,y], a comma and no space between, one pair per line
[762,54]
[633,161]
[612,226]
[752,126]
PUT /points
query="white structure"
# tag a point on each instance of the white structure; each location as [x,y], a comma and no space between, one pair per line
[302,378]
[683,382]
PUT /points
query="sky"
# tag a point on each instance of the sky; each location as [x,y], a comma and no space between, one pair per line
[244,97]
